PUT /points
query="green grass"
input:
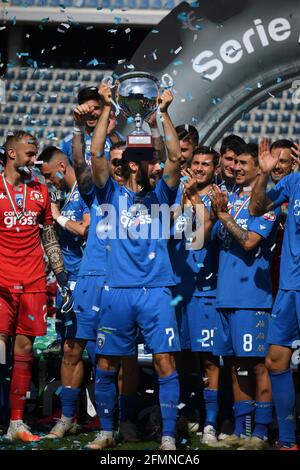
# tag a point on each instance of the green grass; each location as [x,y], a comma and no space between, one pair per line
[78,442]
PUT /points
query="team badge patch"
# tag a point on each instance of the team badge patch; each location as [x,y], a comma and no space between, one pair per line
[270,216]
[36,196]
[100,340]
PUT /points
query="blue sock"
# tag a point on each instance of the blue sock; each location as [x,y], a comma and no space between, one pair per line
[211,406]
[68,399]
[262,418]
[169,399]
[106,397]
[242,416]
[284,401]
[127,407]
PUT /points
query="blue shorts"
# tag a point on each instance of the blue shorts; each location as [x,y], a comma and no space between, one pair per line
[87,303]
[196,319]
[125,309]
[241,333]
[285,319]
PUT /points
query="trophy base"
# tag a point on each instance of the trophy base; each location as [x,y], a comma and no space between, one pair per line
[139,140]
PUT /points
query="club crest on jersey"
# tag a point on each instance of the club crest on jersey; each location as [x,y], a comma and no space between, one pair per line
[19,200]
[100,340]
[270,216]
[36,196]
[75,197]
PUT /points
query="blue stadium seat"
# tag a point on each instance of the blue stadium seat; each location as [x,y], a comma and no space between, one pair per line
[21,109]
[1,132]
[35,109]
[43,87]
[272,117]
[263,105]
[54,3]
[60,75]
[286,117]
[68,88]
[157,4]
[16,121]
[17,86]
[47,110]
[132,4]
[26,98]
[256,128]
[69,122]
[52,99]
[9,108]
[296,130]
[275,105]
[284,130]
[86,77]
[297,118]
[65,99]
[42,3]
[259,117]
[56,86]
[60,110]
[22,74]
[16,2]
[38,98]
[30,86]
[36,75]
[98,78]
[47,75]
[270,129]
[4,119]
[73,76]
[56,122]
[253,140]
[118,4]
[91,3]
[144,4]
[14,97]
[10,74]
[243,128]
[44,122]
[288,106]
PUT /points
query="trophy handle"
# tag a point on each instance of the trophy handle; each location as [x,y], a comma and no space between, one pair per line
[109,81]
[167,81]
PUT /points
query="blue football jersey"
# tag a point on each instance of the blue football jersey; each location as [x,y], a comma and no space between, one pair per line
[137,235]
[244,276]
[66,147]
[72,246]
[94,257]
[195,270]
[288,190]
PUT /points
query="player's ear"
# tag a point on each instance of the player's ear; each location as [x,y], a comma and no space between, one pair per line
[62,167]
[11,153]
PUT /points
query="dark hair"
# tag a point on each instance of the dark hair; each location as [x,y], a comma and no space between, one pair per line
[118,145]
[189,133]
[204,150]
[88,93]
[250,149]
[282,144]
[17,136]
[48,153]
[232,142]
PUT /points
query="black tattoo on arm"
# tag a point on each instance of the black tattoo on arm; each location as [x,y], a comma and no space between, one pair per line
[239,234]
[52,249]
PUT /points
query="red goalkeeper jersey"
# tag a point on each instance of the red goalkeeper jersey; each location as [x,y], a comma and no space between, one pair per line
[22,266]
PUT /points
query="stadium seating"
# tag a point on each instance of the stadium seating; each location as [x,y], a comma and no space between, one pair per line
[42,102]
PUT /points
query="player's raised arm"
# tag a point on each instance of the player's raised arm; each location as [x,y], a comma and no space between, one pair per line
[260,203]
[171,173]
[99,163]
[83,171]
[157,140]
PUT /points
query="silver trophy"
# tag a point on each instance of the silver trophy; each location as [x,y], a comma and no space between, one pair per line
[137,98]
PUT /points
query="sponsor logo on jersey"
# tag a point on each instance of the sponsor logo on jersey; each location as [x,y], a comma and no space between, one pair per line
[10,219]
[36,196]
[3,196]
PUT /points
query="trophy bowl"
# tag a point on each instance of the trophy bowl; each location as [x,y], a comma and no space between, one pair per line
[137,95]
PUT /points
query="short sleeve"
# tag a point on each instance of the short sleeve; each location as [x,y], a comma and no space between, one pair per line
[263,225]
[164,194]
[281,192]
